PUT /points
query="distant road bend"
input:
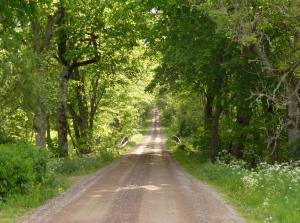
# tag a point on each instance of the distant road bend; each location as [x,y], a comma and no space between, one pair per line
[144,186]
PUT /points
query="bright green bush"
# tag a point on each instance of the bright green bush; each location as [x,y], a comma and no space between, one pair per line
[22,166]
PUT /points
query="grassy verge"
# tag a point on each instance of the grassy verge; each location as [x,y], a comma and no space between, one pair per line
[269,193]
[62,177]
[18,205]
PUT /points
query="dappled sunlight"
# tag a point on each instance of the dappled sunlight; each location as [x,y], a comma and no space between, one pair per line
[139,151]
[95,196]
[157,150]
[158,139]
[148,187]
[147,150]
[136,187]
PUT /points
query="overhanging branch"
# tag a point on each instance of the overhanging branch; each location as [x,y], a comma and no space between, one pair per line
[95,59]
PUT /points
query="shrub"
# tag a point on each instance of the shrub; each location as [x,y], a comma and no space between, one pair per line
[22,166]
[84,164]
[4,139]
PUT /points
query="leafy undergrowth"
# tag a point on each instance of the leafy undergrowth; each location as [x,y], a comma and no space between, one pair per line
[29,176]
[18,205]
[84,164]
[268,193]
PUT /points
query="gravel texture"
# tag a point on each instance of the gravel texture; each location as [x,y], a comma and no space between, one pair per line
[145,185]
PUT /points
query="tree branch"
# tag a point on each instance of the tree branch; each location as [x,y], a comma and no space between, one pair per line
[292,68]
[264,59]
[49,31]
[95,59]
[35,30]
[62,38]
[73,113]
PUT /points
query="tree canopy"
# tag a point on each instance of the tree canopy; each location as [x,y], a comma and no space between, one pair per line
[225,71]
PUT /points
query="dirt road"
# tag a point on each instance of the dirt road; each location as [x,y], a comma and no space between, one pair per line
[145,185]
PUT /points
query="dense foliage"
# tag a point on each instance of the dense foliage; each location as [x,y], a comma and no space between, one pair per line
[21,168]
[228,77]
[71,82]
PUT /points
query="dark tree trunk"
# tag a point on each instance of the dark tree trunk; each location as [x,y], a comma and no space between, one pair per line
[76,130]
[271,132]
[62,122]
[216,90]
[94,102]
[48,129]
[243,118]
[83,117]
[76,121]
[208,113]
[214,137]
[97,95]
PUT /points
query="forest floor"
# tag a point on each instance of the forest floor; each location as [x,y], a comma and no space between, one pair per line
[144,185]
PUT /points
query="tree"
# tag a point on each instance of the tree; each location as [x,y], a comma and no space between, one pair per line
[32,28]
[271,30]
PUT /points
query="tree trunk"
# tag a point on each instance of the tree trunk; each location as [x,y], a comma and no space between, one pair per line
[76,121]
[287,78]
[208,113]
[271,129]
[214,137]
[62,123]
[41,45]
[82,107]
[83,114]
[40,126]
[48,129]
[242,120]
[293,116]
[94,101]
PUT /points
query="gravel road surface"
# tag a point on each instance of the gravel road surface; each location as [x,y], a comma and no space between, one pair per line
[144,186]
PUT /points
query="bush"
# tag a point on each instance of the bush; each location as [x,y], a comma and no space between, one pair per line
[4,139]
[84,164]
[22,166]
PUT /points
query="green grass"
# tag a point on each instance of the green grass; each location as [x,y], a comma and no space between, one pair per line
[18,205]
[77,166]
[269,193]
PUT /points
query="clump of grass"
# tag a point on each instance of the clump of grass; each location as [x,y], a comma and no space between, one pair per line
[268,193]
[17,205]
[80,165]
